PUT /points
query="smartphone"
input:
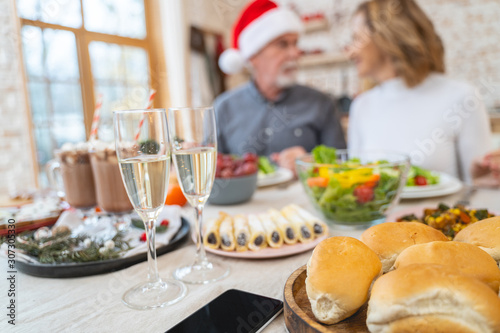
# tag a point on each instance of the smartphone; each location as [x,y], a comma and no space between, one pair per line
[234,311]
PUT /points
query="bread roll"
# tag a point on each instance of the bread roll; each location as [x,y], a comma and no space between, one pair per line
[226,233]
[485,234]
[211,236]
[257,234]
[389,239]
[241,232]
[288,232]
[318,227]
[339,274]
[432,298]
[303,231]
[468,259]
[273,234]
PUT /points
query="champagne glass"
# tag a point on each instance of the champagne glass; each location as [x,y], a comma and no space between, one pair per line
[194,148]
[143,152]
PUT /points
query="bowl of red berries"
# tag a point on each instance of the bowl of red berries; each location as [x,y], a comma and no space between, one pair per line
[235,179]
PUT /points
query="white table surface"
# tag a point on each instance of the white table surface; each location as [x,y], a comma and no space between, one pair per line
[93,304]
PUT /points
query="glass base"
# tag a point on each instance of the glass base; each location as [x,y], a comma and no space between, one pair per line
[147,295]
[201,273]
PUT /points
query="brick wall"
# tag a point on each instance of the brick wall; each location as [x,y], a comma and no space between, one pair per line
[470,30]
[16,162]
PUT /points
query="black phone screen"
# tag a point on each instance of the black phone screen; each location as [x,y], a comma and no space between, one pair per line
[234,311]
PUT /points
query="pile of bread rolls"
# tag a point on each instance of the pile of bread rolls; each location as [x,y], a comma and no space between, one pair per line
[414,279]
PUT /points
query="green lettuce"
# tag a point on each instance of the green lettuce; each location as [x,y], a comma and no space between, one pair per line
[324,154]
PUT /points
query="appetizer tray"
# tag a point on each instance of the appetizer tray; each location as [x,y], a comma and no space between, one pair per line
[268,252]
[272,234]
[99,267]
[299,316]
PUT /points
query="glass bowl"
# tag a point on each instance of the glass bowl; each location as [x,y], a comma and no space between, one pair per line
[358,189]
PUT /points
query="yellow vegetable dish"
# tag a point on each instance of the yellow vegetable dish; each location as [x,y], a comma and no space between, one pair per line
[449,220]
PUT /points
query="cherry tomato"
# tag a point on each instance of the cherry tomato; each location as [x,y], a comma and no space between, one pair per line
[420,181]
[364,193]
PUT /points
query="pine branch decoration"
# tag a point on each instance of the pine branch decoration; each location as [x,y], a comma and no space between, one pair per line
[62,248]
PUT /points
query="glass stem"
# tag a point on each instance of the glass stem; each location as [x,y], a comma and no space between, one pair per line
[201,257]
[150,238]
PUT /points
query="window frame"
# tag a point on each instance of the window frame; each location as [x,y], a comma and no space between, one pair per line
[83,39]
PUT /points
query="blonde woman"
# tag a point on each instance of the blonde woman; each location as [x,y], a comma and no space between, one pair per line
[440,123]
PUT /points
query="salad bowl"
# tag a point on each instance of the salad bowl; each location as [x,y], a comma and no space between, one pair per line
[352,188]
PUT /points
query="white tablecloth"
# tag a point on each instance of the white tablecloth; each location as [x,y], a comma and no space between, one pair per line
[93,304]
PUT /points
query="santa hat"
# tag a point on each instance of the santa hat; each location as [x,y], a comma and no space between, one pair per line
[259,23]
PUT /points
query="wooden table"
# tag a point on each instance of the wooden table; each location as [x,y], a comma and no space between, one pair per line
[93,304]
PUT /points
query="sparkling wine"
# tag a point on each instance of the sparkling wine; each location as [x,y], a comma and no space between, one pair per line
[196,169]
[146,181]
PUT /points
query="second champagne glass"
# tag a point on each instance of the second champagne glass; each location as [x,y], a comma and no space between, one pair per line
[143,152]
[194,150]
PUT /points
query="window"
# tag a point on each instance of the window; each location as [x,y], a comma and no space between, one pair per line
[75,50]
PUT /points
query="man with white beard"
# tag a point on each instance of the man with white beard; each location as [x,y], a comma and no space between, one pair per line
[272,115]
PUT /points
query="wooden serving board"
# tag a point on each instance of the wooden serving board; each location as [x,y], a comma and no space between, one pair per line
[6,202]
[298,314]
[29,225]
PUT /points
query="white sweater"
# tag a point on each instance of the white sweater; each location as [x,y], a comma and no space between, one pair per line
[441,124]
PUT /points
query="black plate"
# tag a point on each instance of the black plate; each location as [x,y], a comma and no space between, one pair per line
[99,267]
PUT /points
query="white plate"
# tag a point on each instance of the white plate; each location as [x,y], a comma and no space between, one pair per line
[444,180]
[281,175]
[268,252]
[447,185]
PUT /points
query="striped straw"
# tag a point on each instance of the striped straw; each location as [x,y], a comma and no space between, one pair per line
[148,106]
[95,120]
[152,95]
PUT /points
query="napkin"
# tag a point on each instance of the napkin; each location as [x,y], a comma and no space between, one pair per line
[172,214]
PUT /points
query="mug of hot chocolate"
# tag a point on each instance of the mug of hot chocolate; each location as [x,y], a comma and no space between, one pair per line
[111,194]
[72,164]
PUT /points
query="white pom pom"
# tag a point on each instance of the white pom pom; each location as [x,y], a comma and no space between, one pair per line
[87,242]
[109,244]
[41,233]
[231,61]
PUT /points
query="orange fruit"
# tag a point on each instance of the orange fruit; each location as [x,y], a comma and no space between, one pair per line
[172,177]
[175,196]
